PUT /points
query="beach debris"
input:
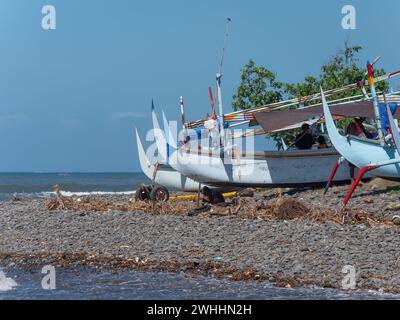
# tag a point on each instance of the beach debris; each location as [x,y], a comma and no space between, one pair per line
[287,208]
[281,207]
[199,210]
[16,197]
[396,220]
[393,207]
[246,193]
[212,196]
[369,200]
[380,183]
[60,198]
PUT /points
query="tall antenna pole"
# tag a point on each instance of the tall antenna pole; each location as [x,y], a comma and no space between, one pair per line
[228,20]
[218,78]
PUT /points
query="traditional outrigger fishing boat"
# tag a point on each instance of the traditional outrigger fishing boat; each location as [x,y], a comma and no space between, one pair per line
[380,156]
[225,164]
[230,166]
[268,168]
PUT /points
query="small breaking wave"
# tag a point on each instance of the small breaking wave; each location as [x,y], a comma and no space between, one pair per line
[79,194]
[50,194]
[32,185]
[84,193]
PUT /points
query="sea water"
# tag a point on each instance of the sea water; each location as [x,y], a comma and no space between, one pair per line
[86,283]
[41,184]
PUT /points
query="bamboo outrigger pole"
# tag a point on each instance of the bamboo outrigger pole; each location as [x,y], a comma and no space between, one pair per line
[214,114]
[182,106]
[246,115]
[371,80]
[182,112]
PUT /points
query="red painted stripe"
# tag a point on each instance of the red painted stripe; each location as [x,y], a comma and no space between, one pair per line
[394,73]
[370,71]
[353,187]
[333,173]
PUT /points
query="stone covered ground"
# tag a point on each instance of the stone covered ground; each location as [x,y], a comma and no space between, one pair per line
[292,237]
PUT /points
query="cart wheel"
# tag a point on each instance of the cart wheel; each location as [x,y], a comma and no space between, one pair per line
[159,193]
[142,194]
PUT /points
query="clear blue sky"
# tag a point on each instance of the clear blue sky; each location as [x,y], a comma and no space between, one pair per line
[71,97]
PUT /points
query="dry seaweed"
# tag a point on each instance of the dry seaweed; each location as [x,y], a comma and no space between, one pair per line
[279,208]
[97,204]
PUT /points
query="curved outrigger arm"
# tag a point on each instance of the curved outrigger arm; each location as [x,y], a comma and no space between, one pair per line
[360,175]
[333,173]
[395,136]
[146,166]
[347,151]
[396,140]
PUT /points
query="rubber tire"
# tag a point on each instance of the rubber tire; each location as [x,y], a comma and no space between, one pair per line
[142,194]
[159,194]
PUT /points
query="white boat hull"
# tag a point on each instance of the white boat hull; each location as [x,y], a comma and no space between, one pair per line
[165,175]
[275,168]
[272,168]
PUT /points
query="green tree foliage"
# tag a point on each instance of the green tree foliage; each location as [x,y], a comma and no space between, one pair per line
[342,69]
[259,86]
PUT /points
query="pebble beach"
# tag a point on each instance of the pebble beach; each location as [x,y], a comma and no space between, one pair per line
[287,251]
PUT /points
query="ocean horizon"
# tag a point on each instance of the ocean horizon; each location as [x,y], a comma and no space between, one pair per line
[40,184]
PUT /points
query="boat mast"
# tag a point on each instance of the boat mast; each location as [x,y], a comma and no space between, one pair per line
[218,80]
[378,121]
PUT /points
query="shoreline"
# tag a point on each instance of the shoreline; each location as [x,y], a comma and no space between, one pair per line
[211,269]
[287,252]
